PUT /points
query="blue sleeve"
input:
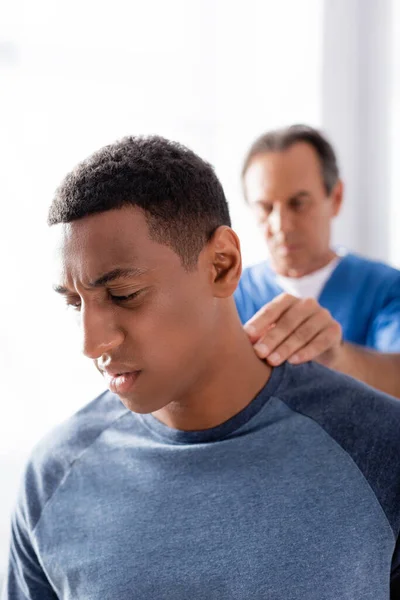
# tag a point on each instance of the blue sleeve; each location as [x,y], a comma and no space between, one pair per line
[366,424]
[384,333]
[25,579]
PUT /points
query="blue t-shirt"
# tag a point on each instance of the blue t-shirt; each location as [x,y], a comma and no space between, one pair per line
[362,295]
[296,497]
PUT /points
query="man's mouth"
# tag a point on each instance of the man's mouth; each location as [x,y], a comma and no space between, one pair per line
[287,248]
[121,383]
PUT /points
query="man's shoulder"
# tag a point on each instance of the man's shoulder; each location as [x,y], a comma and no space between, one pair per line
[54,456]
[262,272]
[257,286]
[349,410]
[363,421]
[375,269]
[259,279]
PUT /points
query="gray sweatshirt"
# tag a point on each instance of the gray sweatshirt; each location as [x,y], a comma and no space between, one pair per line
[294,498]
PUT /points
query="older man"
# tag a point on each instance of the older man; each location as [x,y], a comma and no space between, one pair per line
[310,301]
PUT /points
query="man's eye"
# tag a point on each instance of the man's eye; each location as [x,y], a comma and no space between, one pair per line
[297,204]
[74,304]
[125,298]
[266,209]
[263,212]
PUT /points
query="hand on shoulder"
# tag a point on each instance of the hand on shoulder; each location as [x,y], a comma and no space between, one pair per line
[295,329]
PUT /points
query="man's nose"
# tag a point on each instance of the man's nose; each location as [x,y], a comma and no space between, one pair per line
[280,220]
[100,333]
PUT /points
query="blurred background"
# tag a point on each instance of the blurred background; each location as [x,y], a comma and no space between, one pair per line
[213,74]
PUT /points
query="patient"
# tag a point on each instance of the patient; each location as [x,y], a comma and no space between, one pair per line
[203,472]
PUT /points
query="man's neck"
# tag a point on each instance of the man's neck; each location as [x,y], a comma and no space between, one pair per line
[309,269]
[235,377]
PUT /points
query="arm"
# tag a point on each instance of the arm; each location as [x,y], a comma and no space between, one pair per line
[299,330]
[25,578]
[380,370]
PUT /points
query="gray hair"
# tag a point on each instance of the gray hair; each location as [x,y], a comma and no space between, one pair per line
[282,139]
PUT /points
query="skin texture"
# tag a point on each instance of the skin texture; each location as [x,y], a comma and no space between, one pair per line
[181,331]
[286,191]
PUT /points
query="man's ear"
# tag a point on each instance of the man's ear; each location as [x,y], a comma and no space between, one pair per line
[337,198]
[225,261]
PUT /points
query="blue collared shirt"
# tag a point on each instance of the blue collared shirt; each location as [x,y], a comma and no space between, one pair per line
[361,294]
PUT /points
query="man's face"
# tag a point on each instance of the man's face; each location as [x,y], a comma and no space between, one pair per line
[287,193]
[140,312]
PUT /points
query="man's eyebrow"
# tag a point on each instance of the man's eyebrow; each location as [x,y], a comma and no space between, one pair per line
[60,289]
[298,194]
[117,274]
[301,193]
[108,277]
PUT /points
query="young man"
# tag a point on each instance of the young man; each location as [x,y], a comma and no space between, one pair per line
[315,297]
[203,472]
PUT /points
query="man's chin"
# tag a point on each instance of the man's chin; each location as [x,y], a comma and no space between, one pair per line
[289,266]
[136,405]
[140,403]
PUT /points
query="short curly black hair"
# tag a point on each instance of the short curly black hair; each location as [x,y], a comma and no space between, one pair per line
[180,194]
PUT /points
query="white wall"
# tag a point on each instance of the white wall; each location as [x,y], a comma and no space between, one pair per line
[356,114]
[394,136]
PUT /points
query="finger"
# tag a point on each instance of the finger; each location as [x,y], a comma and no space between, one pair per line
[302,336]
[324,341]
[287,325]
[268,315]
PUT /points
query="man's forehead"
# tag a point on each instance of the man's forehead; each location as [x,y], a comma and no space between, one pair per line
[84,237]
[115,231]
[263,183]
[279,174]
[89,248]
